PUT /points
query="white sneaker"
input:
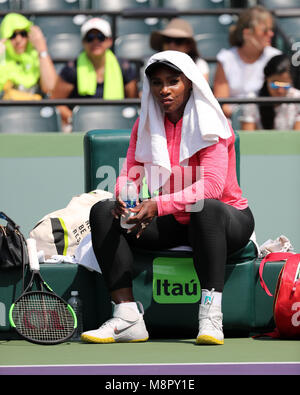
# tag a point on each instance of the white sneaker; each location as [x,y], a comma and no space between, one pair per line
[127,325]
[210,325]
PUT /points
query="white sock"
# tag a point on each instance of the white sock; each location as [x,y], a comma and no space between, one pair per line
[211,297]
[132,305]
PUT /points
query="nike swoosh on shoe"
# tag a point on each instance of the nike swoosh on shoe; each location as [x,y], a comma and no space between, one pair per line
[119,331]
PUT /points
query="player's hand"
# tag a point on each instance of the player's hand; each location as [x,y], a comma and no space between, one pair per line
[119,208]
[144,214]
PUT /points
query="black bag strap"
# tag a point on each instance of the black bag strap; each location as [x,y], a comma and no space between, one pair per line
[11,246]
[6,218]
[24,256]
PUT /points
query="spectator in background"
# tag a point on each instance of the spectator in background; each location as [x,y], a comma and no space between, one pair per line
[96,72]
[178,35]
[239,71]
[25,65]
[278,83]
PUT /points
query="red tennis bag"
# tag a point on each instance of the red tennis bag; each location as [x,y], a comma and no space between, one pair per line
[286,305]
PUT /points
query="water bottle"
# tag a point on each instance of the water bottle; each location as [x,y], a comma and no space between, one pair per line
[129,196]
[76,304]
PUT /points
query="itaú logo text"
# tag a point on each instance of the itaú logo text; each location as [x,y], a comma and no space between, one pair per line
[176,289]
[175,281]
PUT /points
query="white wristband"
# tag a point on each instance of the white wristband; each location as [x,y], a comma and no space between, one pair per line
[43,54]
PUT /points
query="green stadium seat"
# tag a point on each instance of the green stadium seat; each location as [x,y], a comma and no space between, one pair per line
[50,5]
[29,119]
[192,4]
[290,26]
[136,25]
[117,5]
[209,44]
[133,47]
[51,26]
[215,24]
[104,116]
[101,148]
[62,34]
[64,46]
[5,5]
[272,4]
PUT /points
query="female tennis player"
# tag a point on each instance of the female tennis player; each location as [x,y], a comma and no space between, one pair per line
[184,146]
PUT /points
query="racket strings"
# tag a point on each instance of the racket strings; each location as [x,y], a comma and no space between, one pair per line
[43,317]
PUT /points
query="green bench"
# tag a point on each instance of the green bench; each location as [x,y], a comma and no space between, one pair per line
[171,305]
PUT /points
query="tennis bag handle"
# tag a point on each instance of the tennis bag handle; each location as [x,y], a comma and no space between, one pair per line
[9,241]
[271,257]
[6,218]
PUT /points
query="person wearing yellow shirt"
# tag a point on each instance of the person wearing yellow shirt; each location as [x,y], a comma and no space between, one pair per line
[24,60]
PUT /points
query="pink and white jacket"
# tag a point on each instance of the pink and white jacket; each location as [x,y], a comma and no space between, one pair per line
[218,174]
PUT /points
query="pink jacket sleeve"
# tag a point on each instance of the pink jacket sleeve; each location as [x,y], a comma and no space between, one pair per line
[214,164]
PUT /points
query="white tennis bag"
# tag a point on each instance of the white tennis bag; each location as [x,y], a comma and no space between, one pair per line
[60,232]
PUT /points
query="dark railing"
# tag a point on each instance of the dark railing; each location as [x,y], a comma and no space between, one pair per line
[150,12]
[89,102]
[129,12]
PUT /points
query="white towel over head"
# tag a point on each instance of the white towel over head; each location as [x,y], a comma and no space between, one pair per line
[203,122]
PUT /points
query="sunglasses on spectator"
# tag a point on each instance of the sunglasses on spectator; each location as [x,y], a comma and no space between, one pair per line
[90,37]
[22,33]
[176,40]
[277,85]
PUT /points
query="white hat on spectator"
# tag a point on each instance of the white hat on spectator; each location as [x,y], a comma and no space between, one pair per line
[96,23]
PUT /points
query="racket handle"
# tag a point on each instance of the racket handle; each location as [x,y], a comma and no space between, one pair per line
[32,253]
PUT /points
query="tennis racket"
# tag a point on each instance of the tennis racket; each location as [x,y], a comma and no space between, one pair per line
[40,316]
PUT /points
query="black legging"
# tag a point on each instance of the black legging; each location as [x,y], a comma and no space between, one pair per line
[214,232]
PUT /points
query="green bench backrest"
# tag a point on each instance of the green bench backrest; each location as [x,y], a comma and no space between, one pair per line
[103,150]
